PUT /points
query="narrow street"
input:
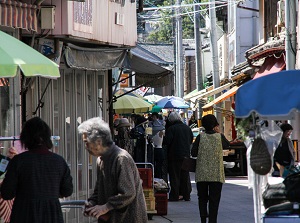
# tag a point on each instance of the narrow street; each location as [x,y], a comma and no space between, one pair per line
[236,205]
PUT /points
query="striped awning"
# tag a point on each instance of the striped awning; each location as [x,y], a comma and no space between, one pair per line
[221,98]
[18,15]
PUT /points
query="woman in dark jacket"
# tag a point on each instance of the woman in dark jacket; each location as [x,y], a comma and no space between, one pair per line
[140,141]
[37,178]
[178,140]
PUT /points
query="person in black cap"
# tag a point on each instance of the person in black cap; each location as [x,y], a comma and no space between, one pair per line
[138,133]
[209,176]
[124,140]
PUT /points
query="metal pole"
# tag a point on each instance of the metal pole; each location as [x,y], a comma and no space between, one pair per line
[198,50]
[180,80]
[214,52]
[213,45]
[288,45]
[290,48]
[175,50]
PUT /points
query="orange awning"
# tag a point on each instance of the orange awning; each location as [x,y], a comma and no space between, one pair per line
[221,98]
[271,65]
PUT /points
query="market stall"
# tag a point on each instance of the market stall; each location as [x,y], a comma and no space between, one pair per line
[272,97]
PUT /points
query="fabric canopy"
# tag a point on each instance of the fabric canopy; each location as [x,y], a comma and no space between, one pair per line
[221,98]
[146,73]
[94,58]
[199,95]
[274,96]
[193,93]
[15,54]
[271,65]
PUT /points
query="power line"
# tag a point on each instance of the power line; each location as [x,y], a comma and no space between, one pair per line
[193,11]
[188,5]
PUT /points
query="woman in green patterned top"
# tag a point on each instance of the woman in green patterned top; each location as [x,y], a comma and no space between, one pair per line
[210,176]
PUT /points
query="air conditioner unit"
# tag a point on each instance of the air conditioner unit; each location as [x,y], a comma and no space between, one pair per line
[47,17]
[280,13]
[119,19]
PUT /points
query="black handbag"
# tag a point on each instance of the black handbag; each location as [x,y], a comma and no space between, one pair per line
[274,194]
[189,164]
[260,158]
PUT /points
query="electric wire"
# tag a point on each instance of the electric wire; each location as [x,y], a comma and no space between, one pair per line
[190,12]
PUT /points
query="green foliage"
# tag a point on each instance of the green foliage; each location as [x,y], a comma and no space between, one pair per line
[244,126]
[163,30]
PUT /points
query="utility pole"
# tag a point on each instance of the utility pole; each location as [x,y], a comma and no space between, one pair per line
[290,49]
[214,52]
[180,68]
[174,92]
[198,51]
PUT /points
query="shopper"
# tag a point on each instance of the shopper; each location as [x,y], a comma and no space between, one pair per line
[210,176]
[158,130]
[138,133]
[118,193]
[178,139]
[284,156]
[36,178]
[124,140]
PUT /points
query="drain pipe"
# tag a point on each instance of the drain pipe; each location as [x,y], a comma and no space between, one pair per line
[243,7]
[290,50]
[290,30]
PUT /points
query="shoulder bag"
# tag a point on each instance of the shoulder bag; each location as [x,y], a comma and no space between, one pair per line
[189,164]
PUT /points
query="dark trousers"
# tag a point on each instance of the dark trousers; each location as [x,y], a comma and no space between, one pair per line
[209,193]
[159,157]
[180,181]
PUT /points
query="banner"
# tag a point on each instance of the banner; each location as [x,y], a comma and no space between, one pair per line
[124,83]
[142,90]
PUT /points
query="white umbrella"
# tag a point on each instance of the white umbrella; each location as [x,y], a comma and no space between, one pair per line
[153,97]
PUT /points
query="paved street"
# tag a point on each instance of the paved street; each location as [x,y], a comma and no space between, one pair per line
[236,205]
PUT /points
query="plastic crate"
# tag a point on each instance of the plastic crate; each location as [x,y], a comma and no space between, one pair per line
[161,203]
[150,203]
[148,193]
[146,176]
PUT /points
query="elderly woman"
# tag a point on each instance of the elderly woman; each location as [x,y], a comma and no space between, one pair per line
[118,193]
[37,178]
[178,139]
[209,176]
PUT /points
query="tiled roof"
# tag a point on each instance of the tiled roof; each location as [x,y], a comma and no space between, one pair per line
[271,47]
[156,53]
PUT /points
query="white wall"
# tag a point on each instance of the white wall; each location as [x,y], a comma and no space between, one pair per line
[243,33]
[96,21]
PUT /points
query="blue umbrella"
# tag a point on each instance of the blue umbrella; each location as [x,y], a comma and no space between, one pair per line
[274,96]
[171,102]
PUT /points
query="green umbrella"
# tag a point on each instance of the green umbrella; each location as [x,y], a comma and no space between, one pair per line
[129,104]
[15,54]
[155,108]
